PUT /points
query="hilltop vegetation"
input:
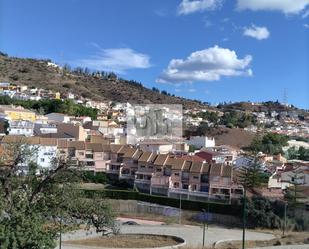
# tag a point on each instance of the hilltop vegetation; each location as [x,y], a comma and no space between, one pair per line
[46,106]
[101,86]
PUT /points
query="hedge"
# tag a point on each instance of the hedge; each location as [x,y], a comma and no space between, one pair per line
[220,208]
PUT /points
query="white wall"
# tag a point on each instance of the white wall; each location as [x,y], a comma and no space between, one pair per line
[201,141]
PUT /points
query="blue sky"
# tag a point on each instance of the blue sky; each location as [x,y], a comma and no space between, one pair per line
[212,50]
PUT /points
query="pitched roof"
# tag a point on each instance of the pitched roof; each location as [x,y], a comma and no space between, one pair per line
[48,141]
[137,154]
[145,157]
[187,165]
[177,163]
[115,147]
[129,152]
[153,157]
[95,147]
[78,145]
[161,159]
[123,149]
[215,170]
[62,143]
[196,167]
[206,168]
[227,171]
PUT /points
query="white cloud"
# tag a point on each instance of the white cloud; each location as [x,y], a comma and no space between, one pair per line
[306,14]
[160,12]
[192,90]
[206,65]
[256,32]
[116,59]
[306,25]
[285,6]
[190,6]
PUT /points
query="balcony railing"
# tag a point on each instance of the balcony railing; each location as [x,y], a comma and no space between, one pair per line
[142,181]
[126,176]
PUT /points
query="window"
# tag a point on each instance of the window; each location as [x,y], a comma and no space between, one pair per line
[91,163]
[48,154]
[42,160]
[81,153]
[195,177]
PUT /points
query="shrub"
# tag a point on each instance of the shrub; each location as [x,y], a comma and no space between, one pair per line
[220,208]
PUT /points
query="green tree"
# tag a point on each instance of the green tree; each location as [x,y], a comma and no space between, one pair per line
[270,143]
[252,176]
[32,200]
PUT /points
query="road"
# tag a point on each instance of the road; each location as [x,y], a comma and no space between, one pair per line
[192,234]
[285,247]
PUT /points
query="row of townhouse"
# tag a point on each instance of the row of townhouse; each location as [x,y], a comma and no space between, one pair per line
[165,174]
[161,174]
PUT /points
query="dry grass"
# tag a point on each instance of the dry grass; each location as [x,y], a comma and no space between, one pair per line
[127,241]
[289,239]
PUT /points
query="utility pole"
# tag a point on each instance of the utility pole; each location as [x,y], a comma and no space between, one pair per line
[208,214]
[180,209]
[284,224]
[60,236]
[204,217]
[61,217]
[244,220]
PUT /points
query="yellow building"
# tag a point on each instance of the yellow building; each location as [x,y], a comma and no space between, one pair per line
[17,113]
[57,95]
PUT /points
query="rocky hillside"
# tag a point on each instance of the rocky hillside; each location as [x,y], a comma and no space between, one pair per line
[43,74]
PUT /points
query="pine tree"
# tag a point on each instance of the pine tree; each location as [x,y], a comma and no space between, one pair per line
[294,193]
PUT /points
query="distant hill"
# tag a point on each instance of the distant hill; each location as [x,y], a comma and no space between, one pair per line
[268,106]
[46,75]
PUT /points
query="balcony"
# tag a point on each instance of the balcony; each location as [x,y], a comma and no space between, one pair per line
[89,156]
[160,181]
[142,181]
[113,169]
[128,176]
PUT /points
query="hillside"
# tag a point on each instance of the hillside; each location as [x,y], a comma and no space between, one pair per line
[233,137]
[40,73]
[267,107]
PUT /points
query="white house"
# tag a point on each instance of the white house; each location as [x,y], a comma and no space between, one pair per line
[201,141]
[21,127]
[157,146]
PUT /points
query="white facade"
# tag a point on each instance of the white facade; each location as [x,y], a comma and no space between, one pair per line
[201,141]
[157,148]
[21,128]
[46,155]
